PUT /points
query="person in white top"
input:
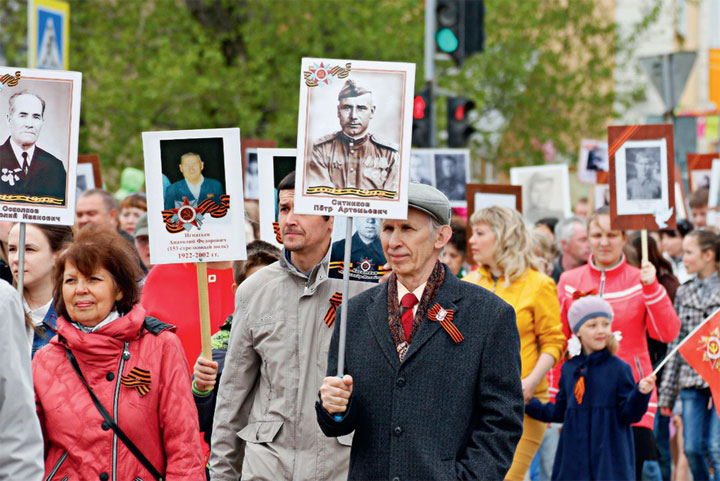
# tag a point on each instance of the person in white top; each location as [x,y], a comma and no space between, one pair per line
[43,243]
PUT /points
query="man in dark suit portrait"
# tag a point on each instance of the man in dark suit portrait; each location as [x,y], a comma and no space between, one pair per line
[432,364]
[194,187]
[28,174]
[366,256]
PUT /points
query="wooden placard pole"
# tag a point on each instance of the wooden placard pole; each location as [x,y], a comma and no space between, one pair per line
[644,245]
[204,304]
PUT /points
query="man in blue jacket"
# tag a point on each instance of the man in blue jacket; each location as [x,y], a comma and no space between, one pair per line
[432,385]
[194,186]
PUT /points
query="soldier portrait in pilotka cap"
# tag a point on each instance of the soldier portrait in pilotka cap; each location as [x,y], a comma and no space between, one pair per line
[353,157]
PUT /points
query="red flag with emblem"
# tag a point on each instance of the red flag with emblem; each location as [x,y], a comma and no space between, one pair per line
[702,351]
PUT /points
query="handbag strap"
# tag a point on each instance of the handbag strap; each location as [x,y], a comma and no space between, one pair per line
[113,425]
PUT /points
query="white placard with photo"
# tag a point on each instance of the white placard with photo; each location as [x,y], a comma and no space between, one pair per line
[39,145]
[700,178]
[602,195]
[273,166]
[85,177]
[354,134]
[252,183]
[194,195]
[714,195]
[593,158]
[545,191]
[448,170]
[641,177]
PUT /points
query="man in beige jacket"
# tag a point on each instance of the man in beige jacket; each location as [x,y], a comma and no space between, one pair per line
[265,427]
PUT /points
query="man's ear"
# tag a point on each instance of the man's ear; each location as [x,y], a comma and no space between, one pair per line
[113,213]
[443,236]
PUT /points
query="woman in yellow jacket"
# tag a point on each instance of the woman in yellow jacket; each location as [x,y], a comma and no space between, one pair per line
[502,247]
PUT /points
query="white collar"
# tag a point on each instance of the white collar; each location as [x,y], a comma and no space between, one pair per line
[19,151]
[110,318]
[402,290]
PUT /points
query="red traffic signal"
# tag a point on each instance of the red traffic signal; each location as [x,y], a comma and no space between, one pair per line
[419,105]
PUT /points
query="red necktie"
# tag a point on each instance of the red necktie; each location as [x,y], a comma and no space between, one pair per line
[408,301]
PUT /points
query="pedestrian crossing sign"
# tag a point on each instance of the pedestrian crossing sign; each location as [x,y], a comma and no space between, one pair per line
[48,34]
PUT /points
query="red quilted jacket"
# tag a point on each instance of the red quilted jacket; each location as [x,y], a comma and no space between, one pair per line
[162,423]
[637,309]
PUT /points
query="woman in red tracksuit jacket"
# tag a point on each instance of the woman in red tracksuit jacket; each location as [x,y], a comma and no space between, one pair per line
[641,306]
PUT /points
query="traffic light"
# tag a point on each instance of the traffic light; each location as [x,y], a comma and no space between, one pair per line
[459,127]
[421,119]
[459,28]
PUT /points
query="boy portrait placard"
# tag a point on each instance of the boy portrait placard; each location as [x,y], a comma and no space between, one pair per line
[354,133]
[195,195]
[38,145]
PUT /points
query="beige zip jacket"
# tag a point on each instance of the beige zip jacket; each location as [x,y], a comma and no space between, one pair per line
[265,426]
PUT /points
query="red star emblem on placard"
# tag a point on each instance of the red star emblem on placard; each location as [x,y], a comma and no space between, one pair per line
[187,215]
[710,345]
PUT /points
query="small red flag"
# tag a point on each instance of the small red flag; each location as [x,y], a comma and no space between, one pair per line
[702,352]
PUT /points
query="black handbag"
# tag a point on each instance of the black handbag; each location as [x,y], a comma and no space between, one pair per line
[120,434]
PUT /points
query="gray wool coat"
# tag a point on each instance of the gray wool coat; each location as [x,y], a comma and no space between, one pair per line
[449,411]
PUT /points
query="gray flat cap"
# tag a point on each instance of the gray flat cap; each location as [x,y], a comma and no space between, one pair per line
[141,227]
[431,201]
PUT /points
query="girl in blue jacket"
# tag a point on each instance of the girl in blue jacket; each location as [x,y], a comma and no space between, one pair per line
[598,400]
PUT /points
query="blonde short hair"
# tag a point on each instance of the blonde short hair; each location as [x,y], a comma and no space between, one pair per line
[514,245]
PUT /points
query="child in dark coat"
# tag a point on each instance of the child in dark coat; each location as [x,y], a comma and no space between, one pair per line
[598,401]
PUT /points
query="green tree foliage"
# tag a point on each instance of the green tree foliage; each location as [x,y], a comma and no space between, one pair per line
[192,64]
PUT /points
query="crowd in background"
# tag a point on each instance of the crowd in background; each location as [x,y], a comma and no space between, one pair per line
[91,290]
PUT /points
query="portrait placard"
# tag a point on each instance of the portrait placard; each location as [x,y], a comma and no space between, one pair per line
[601,192]
[713,217]
[250,166]
[448,170]
[354,133]
[642,177]
[88,173]
[38,145]
[480,196]
[545,191]
[593,159]
[699,170]
[273,166]
[194,195]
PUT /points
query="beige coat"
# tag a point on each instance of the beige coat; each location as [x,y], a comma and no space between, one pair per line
[265,424]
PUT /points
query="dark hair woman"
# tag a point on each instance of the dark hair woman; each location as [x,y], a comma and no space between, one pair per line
[112,389]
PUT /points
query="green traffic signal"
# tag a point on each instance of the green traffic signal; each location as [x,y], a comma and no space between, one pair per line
[446,40]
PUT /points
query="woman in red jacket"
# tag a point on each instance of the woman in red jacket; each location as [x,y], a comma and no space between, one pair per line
[641,306]
[111,388]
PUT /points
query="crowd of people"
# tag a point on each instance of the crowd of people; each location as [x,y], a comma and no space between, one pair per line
[494,349]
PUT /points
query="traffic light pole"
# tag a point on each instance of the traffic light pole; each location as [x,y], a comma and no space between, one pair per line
[430,64]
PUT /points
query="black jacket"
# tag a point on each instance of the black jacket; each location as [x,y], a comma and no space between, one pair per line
[45,178]
[450,411]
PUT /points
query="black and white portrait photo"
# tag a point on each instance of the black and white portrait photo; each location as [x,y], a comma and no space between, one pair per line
[641,177]
[38,139]
[545,191]
[273,166]
[354,132]
[643,173]
[422,167]
[252,185]
[451,175]
[593,158]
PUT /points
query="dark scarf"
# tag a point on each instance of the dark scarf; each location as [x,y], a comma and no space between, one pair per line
[394,314]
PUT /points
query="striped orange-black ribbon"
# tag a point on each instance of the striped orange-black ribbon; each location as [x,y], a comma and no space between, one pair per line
[622,139]
[208,206]
[335,301]
[276,230]
[137,378]
[445,317]
[578,294]
[580,389]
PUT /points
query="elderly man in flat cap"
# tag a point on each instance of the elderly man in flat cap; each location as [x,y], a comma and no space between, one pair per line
[352,158]
[432,364]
